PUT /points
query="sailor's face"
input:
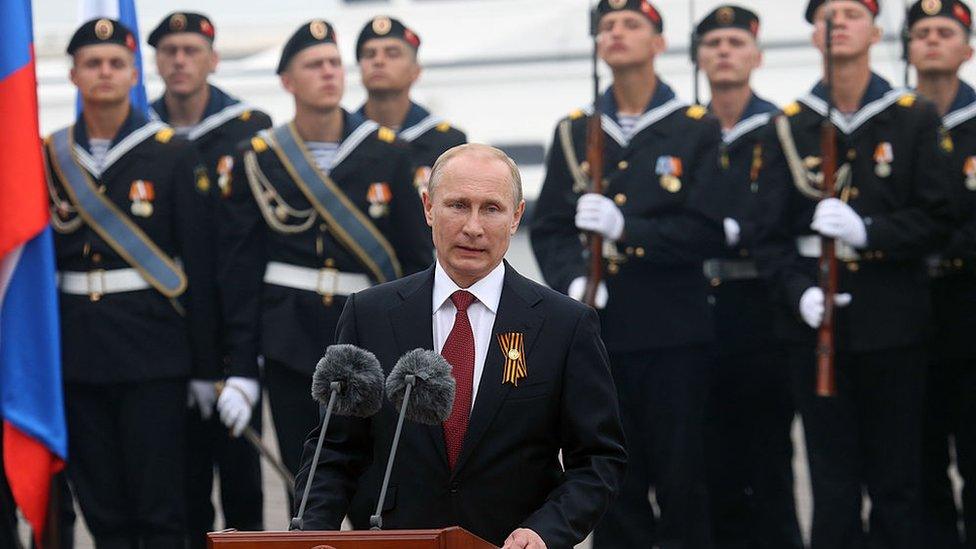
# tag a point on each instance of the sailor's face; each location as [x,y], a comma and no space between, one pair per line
[104,73]
[388,65]
[854,30]
[627,38]
[728,56]
[184,60]
[938,45]
[316,77]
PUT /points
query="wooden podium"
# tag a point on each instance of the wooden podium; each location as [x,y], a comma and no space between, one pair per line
[447,538]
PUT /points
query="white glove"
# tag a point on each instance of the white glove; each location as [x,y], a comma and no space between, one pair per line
[598,214]
[578,287]
[202,394]
[812,305]
[835,219]
[236,402]
[732,232]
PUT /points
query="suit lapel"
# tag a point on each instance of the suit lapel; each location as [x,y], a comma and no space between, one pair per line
[413,328]
[515,314]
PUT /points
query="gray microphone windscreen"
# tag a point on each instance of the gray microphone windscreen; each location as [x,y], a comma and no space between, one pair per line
[359,373]
[432,397]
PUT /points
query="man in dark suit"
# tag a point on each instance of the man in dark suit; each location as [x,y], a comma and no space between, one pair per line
[495,471]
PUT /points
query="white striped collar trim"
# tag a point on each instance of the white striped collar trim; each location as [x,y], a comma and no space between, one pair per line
[745,126]
[648,119]
[218,119]
[865,113]
[211,122]
[119,150]
[420,128]
[959,116]
[350,143]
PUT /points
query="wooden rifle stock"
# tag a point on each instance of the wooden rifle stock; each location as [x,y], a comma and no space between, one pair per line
[826,379]
[594,158]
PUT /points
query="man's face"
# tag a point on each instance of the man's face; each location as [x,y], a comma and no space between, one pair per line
[184,61]
[104,73]
[626,39]
[473,215]
[938,45]
[854,29]
[388,65]
[728,56]
[315,77]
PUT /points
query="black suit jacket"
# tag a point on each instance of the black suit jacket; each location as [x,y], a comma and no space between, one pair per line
[508,474]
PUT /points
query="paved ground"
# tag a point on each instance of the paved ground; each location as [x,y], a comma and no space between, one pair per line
[276,516]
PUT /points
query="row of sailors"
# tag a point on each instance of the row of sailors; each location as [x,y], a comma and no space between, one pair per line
[708,369]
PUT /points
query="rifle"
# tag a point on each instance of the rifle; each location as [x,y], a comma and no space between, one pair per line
[827,265]
[594,158]
[693,46]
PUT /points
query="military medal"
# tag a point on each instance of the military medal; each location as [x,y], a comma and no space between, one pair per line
[883,157]
[513,349]
[379,197]
[670,170]
[224,168]
[142,193]
[420,178]
[969,169]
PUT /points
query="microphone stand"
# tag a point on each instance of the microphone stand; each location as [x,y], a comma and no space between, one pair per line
[376,521]
[297,523]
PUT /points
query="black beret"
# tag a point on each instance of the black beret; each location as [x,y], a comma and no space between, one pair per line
[102,31]
[183,22]
[386,27]
[640,6]
[310,34]
[729,17]
[872,5]
[953,9]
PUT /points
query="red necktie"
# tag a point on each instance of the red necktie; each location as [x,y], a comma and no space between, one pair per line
[459,352]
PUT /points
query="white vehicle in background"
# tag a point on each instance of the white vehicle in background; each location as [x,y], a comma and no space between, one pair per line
[502,70]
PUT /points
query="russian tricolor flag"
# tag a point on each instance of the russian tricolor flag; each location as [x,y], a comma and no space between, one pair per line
[31,401]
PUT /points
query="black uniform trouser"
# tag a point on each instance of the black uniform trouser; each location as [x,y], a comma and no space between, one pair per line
[662,399]
[293,411]
[868,436]
[749,451]
[950,412]
[126,446]
[210,445]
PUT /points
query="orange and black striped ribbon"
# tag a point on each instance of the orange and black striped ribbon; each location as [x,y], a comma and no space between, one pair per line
[514,369]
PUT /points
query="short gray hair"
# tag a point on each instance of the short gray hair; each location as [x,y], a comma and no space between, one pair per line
[481,150]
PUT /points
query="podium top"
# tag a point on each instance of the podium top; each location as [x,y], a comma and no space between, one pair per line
[454,537]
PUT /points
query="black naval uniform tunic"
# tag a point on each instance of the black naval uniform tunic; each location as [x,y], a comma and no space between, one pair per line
[226,121]
[869,434]
[127,356]
[428,135]
[950,407]
[292,327]
[657,324]
[749,414]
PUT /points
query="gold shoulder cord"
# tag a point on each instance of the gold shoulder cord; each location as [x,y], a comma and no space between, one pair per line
[806,181]
[265,193]
[56,202]
[580,181]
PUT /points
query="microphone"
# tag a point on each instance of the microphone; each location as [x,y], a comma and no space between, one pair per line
[348,381]
[426,376]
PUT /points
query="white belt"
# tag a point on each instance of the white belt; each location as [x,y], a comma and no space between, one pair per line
[99,282]
[809,246]
[325,281]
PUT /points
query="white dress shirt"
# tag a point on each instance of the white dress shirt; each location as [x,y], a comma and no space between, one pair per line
[481,314]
